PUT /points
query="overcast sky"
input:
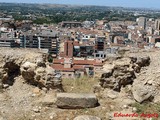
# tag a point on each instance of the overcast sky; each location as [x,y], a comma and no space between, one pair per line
[123,3]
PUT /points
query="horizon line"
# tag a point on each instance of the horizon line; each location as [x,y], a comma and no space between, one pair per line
[82,5]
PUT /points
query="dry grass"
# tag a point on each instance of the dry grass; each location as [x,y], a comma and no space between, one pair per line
[79,85]
[147,107]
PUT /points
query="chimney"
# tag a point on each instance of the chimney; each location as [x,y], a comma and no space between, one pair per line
[68,49]
[67,63]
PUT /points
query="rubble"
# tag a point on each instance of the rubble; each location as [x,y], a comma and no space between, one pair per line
[48,100]
[122,72]
[142,94]
[110,94]
[32,66]
[123,82]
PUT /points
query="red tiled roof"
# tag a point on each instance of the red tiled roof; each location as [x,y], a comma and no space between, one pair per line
[77,67]
[86,31]
[77,64]
[83,62]
[58,61]
[61,68]
[98,64]
[87,62]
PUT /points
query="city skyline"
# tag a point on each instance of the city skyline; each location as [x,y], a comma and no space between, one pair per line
[122,3]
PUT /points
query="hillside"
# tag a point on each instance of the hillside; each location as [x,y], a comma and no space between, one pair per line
[29,90]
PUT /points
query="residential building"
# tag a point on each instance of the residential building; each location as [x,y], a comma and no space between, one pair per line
[45,40]
[72,68]
[157,24]
[142,22]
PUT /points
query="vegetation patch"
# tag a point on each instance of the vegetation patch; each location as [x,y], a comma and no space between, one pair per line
[79,85]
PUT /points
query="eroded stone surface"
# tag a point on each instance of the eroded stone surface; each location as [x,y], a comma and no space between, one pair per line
[75,100]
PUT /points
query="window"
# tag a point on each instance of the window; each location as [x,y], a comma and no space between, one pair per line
[70,75]
[97,55]
[64,74]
